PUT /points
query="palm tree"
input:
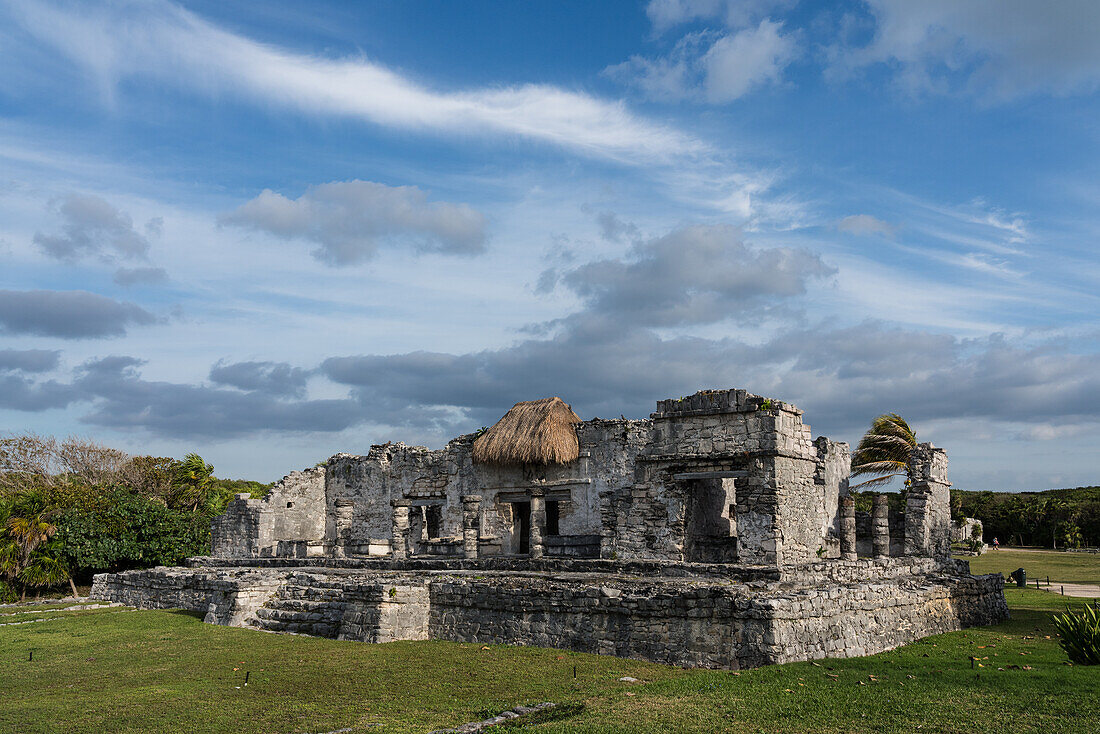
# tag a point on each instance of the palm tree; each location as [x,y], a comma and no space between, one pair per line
[191,480]
[26,553]
[46,568]
[883,452]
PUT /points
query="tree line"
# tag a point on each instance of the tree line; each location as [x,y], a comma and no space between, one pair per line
[72,508]
[1056,518]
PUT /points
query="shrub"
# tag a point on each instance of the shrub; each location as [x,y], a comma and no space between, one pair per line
[126,530]
[7,594]
[1080,635]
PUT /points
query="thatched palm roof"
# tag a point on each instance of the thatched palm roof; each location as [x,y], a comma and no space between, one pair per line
[534,432]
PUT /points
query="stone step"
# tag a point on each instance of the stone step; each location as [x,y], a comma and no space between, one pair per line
[315,582]
[328,614]
[306,605]
[309,593]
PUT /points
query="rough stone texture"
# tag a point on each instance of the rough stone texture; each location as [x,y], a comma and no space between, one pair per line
[880,526]
[847,529]
[717,533]
[691,620]
[289,521]
[928,526]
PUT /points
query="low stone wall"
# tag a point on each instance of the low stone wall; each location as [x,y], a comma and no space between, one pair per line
[864,619]
[708,626]
[225,596]
[853,608]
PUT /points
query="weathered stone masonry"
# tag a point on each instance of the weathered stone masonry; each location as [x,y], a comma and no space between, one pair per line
[738,521]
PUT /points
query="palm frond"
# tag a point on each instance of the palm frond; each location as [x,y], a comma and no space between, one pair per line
[884,450]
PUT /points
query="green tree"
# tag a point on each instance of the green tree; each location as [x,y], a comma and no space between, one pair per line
[191,483]
[883,452]
[27,553]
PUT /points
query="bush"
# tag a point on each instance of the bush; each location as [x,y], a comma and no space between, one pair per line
[7,594]
[125,530]
[1080,635]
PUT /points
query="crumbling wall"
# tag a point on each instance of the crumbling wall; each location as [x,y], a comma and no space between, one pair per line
[226,596]
[288,521]
[786,485]
[928,526]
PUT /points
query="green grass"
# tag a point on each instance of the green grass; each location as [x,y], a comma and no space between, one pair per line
[105,670]
[1078,568]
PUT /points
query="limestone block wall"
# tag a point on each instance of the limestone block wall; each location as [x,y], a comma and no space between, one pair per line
[965,532]
[226,596]
[828,609]
[704,627]
[928,526]
[867,618]
[416,476]
[285,522]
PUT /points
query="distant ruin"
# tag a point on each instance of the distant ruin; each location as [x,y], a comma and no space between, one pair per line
[716,533]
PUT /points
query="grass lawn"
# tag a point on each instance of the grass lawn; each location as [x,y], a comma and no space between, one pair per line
[125,671]
[1079,568]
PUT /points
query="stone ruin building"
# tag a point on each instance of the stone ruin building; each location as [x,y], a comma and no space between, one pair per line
[717,533]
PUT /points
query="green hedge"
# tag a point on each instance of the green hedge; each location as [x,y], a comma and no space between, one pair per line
[124,530]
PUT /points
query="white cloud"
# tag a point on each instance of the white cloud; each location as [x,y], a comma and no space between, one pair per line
[664,14]
[167,43]
[736,64]
[995,50]
[712,66]
[349,219]
[92,227]
[865,224]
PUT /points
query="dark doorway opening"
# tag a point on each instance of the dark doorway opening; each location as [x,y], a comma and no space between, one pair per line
[433,517]
[521,526]
[553,512]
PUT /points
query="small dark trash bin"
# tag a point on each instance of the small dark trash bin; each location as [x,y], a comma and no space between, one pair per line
[1019,576]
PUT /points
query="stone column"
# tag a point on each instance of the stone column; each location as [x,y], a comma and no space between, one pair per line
[928,504]
[880,526]
[847,528]
[538,522]
[471,524]
[608,523]
[400,531]
[342,514]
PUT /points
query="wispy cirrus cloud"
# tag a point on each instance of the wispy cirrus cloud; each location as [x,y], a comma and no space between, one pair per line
[165,42]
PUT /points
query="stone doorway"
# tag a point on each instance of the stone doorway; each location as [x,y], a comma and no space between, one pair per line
[710,523]
[521,527]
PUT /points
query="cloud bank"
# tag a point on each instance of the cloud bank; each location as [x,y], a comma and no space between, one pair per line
[68,314]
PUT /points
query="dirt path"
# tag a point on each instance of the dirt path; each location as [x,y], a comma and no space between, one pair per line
[1085,591]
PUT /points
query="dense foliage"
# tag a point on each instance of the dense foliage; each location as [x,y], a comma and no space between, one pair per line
[72,508]
[1057,518]
[123,529]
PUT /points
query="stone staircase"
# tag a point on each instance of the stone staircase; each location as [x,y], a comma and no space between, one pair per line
[306,605]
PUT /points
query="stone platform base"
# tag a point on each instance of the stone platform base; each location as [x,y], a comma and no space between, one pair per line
[831,609]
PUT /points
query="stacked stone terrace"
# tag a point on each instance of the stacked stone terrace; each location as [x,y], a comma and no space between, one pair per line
[716,533]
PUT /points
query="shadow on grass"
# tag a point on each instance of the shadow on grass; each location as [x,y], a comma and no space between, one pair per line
[560,712]
[187,613]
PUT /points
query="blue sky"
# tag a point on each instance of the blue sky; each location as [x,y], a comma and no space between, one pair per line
[271,232]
